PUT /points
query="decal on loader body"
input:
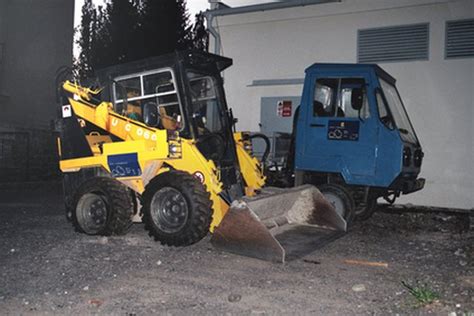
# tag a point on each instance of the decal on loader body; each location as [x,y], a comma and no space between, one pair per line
[124,165]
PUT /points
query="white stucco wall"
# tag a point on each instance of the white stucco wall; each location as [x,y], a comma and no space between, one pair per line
[438,93]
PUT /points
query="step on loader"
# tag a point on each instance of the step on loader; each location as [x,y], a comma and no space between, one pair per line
[155,143]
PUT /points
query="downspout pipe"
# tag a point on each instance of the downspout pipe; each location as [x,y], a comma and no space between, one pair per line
[217,37]
[211,14]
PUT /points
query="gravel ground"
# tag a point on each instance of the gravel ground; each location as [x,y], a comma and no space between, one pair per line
[47,268]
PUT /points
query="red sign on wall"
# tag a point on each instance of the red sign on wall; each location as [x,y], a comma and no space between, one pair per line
[284,108]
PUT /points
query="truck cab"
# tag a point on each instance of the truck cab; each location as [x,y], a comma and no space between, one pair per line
[353,129]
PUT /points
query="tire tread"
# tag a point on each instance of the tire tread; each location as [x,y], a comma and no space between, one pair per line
[199,203]
[119,200]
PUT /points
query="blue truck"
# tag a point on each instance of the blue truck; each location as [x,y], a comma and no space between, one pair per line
[352,137]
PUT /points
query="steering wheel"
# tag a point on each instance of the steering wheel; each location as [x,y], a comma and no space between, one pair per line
[213,145]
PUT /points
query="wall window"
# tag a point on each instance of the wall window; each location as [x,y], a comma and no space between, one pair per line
[340,97]
[395,43]
[459,41]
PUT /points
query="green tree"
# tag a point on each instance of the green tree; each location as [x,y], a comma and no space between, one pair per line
[119,32]
[200,35]
[127,30]
[158,27]
[86,30]
[183,27]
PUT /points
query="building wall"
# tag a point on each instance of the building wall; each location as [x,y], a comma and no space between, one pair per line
[2,40]
[37,40]
[438,93]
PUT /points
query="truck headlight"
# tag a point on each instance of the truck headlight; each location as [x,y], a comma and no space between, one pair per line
[406,156]
[418,157]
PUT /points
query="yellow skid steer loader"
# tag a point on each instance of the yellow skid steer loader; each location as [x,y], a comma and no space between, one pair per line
[155,143]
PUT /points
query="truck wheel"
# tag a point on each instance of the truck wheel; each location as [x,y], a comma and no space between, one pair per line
[177,209]
[341,199]
[102,206]
[364,212]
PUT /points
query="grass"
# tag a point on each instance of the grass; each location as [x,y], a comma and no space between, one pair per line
[422,293]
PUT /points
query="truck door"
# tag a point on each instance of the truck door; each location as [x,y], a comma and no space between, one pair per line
[339,130]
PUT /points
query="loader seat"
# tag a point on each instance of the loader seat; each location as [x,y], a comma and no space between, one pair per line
[168,122]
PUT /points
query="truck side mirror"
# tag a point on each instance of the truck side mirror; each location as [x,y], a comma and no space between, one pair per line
[151,116]
[357,98]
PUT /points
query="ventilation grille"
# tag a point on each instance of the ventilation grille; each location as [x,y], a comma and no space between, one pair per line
[460,39]
[395,43]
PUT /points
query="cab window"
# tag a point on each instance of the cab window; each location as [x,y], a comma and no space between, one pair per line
[340,97]
[206,108]
[155,88]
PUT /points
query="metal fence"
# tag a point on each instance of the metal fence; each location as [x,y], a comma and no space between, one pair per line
[27,155]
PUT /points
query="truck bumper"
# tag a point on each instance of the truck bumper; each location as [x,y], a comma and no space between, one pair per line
[413,186]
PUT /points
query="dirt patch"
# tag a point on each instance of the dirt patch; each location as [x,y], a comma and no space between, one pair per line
[46,267]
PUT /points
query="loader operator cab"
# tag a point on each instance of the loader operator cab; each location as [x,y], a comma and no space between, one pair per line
[181,92]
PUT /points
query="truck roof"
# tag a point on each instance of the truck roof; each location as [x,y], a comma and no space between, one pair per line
[351,67]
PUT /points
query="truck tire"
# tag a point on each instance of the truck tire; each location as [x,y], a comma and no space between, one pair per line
[177,209]
[341,199]
[102,206]
[364,212]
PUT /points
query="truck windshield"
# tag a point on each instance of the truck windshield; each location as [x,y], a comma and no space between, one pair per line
[206,108]
[398,111]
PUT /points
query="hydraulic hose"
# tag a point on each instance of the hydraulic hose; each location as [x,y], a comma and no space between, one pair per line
[267,145]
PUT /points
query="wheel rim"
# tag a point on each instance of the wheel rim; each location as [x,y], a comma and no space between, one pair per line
[91,213]
[169,210]
[336,202]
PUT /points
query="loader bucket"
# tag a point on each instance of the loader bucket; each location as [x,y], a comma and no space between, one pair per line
[279,224]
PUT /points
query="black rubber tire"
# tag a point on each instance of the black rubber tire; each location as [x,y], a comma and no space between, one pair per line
[119,205]
[345,197]
[199,208]
[363,213]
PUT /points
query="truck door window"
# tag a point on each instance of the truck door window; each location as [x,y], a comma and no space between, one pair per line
[325,96]
[383,112]
[399,114]
[157,88]
[334,97]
